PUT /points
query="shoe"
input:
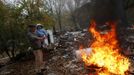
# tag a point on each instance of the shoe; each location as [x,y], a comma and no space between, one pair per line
[39,73]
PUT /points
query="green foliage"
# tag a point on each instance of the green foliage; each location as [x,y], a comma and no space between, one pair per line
[13,25]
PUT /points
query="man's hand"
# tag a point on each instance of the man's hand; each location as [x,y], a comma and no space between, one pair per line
[40,38]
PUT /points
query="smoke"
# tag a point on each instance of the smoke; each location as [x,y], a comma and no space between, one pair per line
[78,53]
[108,10]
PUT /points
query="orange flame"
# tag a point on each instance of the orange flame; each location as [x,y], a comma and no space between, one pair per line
[105,52]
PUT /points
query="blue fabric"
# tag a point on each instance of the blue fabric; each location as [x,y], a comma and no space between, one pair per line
[41,32]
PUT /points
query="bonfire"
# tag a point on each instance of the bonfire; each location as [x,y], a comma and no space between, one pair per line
[105,52]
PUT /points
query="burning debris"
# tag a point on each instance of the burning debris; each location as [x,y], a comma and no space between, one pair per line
[106,53]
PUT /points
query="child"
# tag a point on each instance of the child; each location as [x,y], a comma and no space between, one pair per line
[42,33]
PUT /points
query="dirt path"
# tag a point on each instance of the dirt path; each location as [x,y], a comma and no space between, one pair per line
[58,62]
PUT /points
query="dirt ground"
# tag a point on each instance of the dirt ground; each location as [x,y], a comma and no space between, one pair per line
[58,62]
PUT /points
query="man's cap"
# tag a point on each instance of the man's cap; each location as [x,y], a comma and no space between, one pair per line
[31,26]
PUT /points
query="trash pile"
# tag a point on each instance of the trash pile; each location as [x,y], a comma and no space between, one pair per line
[61,60]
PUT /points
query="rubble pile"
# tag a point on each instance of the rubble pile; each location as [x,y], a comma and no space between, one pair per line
[61,60]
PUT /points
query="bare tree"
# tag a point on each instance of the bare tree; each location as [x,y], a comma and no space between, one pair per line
[59,4]
[49,5]
[33,8]
[72,6]
[55,8]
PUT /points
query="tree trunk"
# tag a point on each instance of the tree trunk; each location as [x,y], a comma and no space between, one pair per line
[60,25]
[74,19]
[123,23]
[121,12]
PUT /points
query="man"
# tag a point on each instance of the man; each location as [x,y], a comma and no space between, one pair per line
[35,42]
